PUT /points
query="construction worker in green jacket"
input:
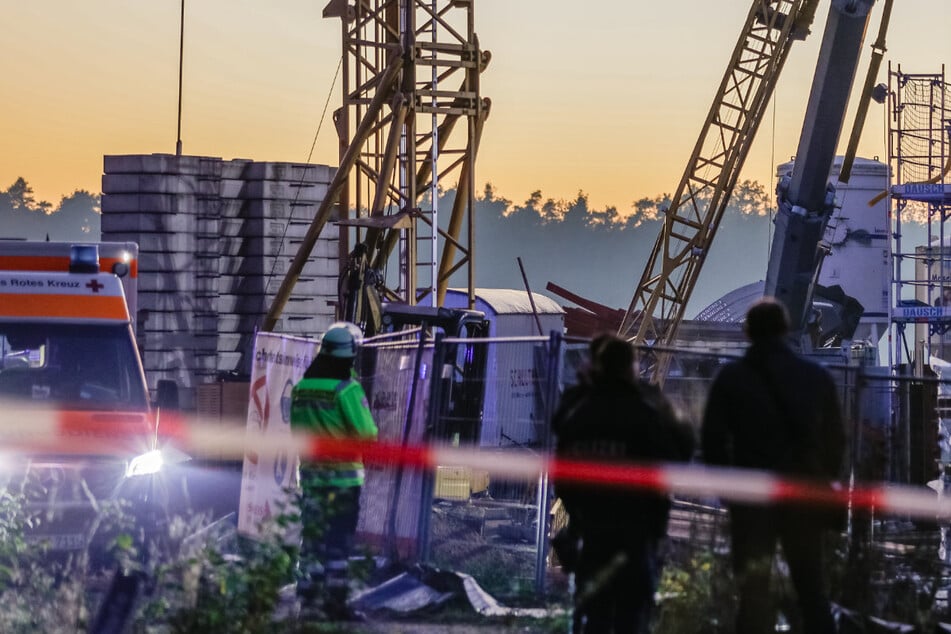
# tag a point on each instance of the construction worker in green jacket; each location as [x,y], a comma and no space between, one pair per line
[329,401]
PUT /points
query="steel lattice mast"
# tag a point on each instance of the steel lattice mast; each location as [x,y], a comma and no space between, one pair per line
[411,119]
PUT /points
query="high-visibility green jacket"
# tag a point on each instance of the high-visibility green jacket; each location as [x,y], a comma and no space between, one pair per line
[337,409]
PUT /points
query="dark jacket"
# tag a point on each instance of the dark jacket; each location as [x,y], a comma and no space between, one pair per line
[774,410]
[617,421]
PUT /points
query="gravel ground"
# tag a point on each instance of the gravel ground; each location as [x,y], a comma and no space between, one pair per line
[427,628]
[407,627]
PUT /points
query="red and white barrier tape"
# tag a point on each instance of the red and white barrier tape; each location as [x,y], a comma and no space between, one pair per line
[74,433]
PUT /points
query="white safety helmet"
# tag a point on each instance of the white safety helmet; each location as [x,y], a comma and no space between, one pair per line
[341,340]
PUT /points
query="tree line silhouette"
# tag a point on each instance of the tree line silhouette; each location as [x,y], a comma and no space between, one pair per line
[601,253]
[22,217]
[596,253]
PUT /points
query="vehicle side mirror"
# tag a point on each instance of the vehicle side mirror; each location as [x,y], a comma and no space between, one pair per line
[166,394]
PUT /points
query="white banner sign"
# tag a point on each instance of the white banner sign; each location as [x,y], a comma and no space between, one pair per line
[279,363]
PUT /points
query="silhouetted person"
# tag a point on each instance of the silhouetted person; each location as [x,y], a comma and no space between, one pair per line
[774,410]
[610,416]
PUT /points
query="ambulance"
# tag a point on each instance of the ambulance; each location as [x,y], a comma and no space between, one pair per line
[68,351]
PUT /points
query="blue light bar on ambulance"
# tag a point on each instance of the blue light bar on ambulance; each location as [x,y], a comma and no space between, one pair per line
[84,258]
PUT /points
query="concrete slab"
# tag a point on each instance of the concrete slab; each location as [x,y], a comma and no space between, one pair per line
[235,341]
[154,241]
[295,172]
[253,304]
[271,246]
[157,164]
[283,190]
[258,228]
[184,282]
[268,209]
[147,222]
[151,203]
[173,261]
[234,168]
[265,265]
[287,322]
[182,321]
[309,325]
[172,301]
[158,184]
[225,322]
[182,360]
[176,339]
[235,361]
[269,285]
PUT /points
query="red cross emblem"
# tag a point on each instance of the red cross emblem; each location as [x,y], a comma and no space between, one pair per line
[95,285]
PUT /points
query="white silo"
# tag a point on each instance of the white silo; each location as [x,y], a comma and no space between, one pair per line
[859,259]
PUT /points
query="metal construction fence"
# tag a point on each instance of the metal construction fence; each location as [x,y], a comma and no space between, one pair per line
[459,479]
[496,396]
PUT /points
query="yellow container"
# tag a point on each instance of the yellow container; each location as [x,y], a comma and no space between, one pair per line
[478,481]
[453,483]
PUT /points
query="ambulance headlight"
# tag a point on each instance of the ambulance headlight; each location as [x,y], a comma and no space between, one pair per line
[152,462]
[148,463]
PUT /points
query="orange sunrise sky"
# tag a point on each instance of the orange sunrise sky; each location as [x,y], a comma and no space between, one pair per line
[606,97]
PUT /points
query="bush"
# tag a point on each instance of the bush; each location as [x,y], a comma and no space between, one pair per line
[36,592]
[690,597]
[202,589]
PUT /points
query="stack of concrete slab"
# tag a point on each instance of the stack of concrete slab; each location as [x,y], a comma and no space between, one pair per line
[267,209]
[157,201]
[215,240]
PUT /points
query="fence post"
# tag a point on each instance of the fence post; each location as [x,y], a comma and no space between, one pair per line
[553,380]
[434,433]
[392,548]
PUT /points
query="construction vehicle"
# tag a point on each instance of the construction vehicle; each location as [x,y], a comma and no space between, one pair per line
[806,199]
[462,384]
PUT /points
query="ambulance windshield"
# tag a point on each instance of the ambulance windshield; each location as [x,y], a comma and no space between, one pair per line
[88,367]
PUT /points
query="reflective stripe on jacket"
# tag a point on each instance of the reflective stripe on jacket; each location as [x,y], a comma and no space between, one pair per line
[336,409]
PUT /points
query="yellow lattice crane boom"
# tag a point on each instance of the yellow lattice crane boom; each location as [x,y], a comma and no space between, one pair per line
[703,193]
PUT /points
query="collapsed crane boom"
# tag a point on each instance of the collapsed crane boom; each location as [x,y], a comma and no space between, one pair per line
[806,197]
[703,193]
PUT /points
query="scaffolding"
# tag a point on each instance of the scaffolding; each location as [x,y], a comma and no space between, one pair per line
[919,150]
